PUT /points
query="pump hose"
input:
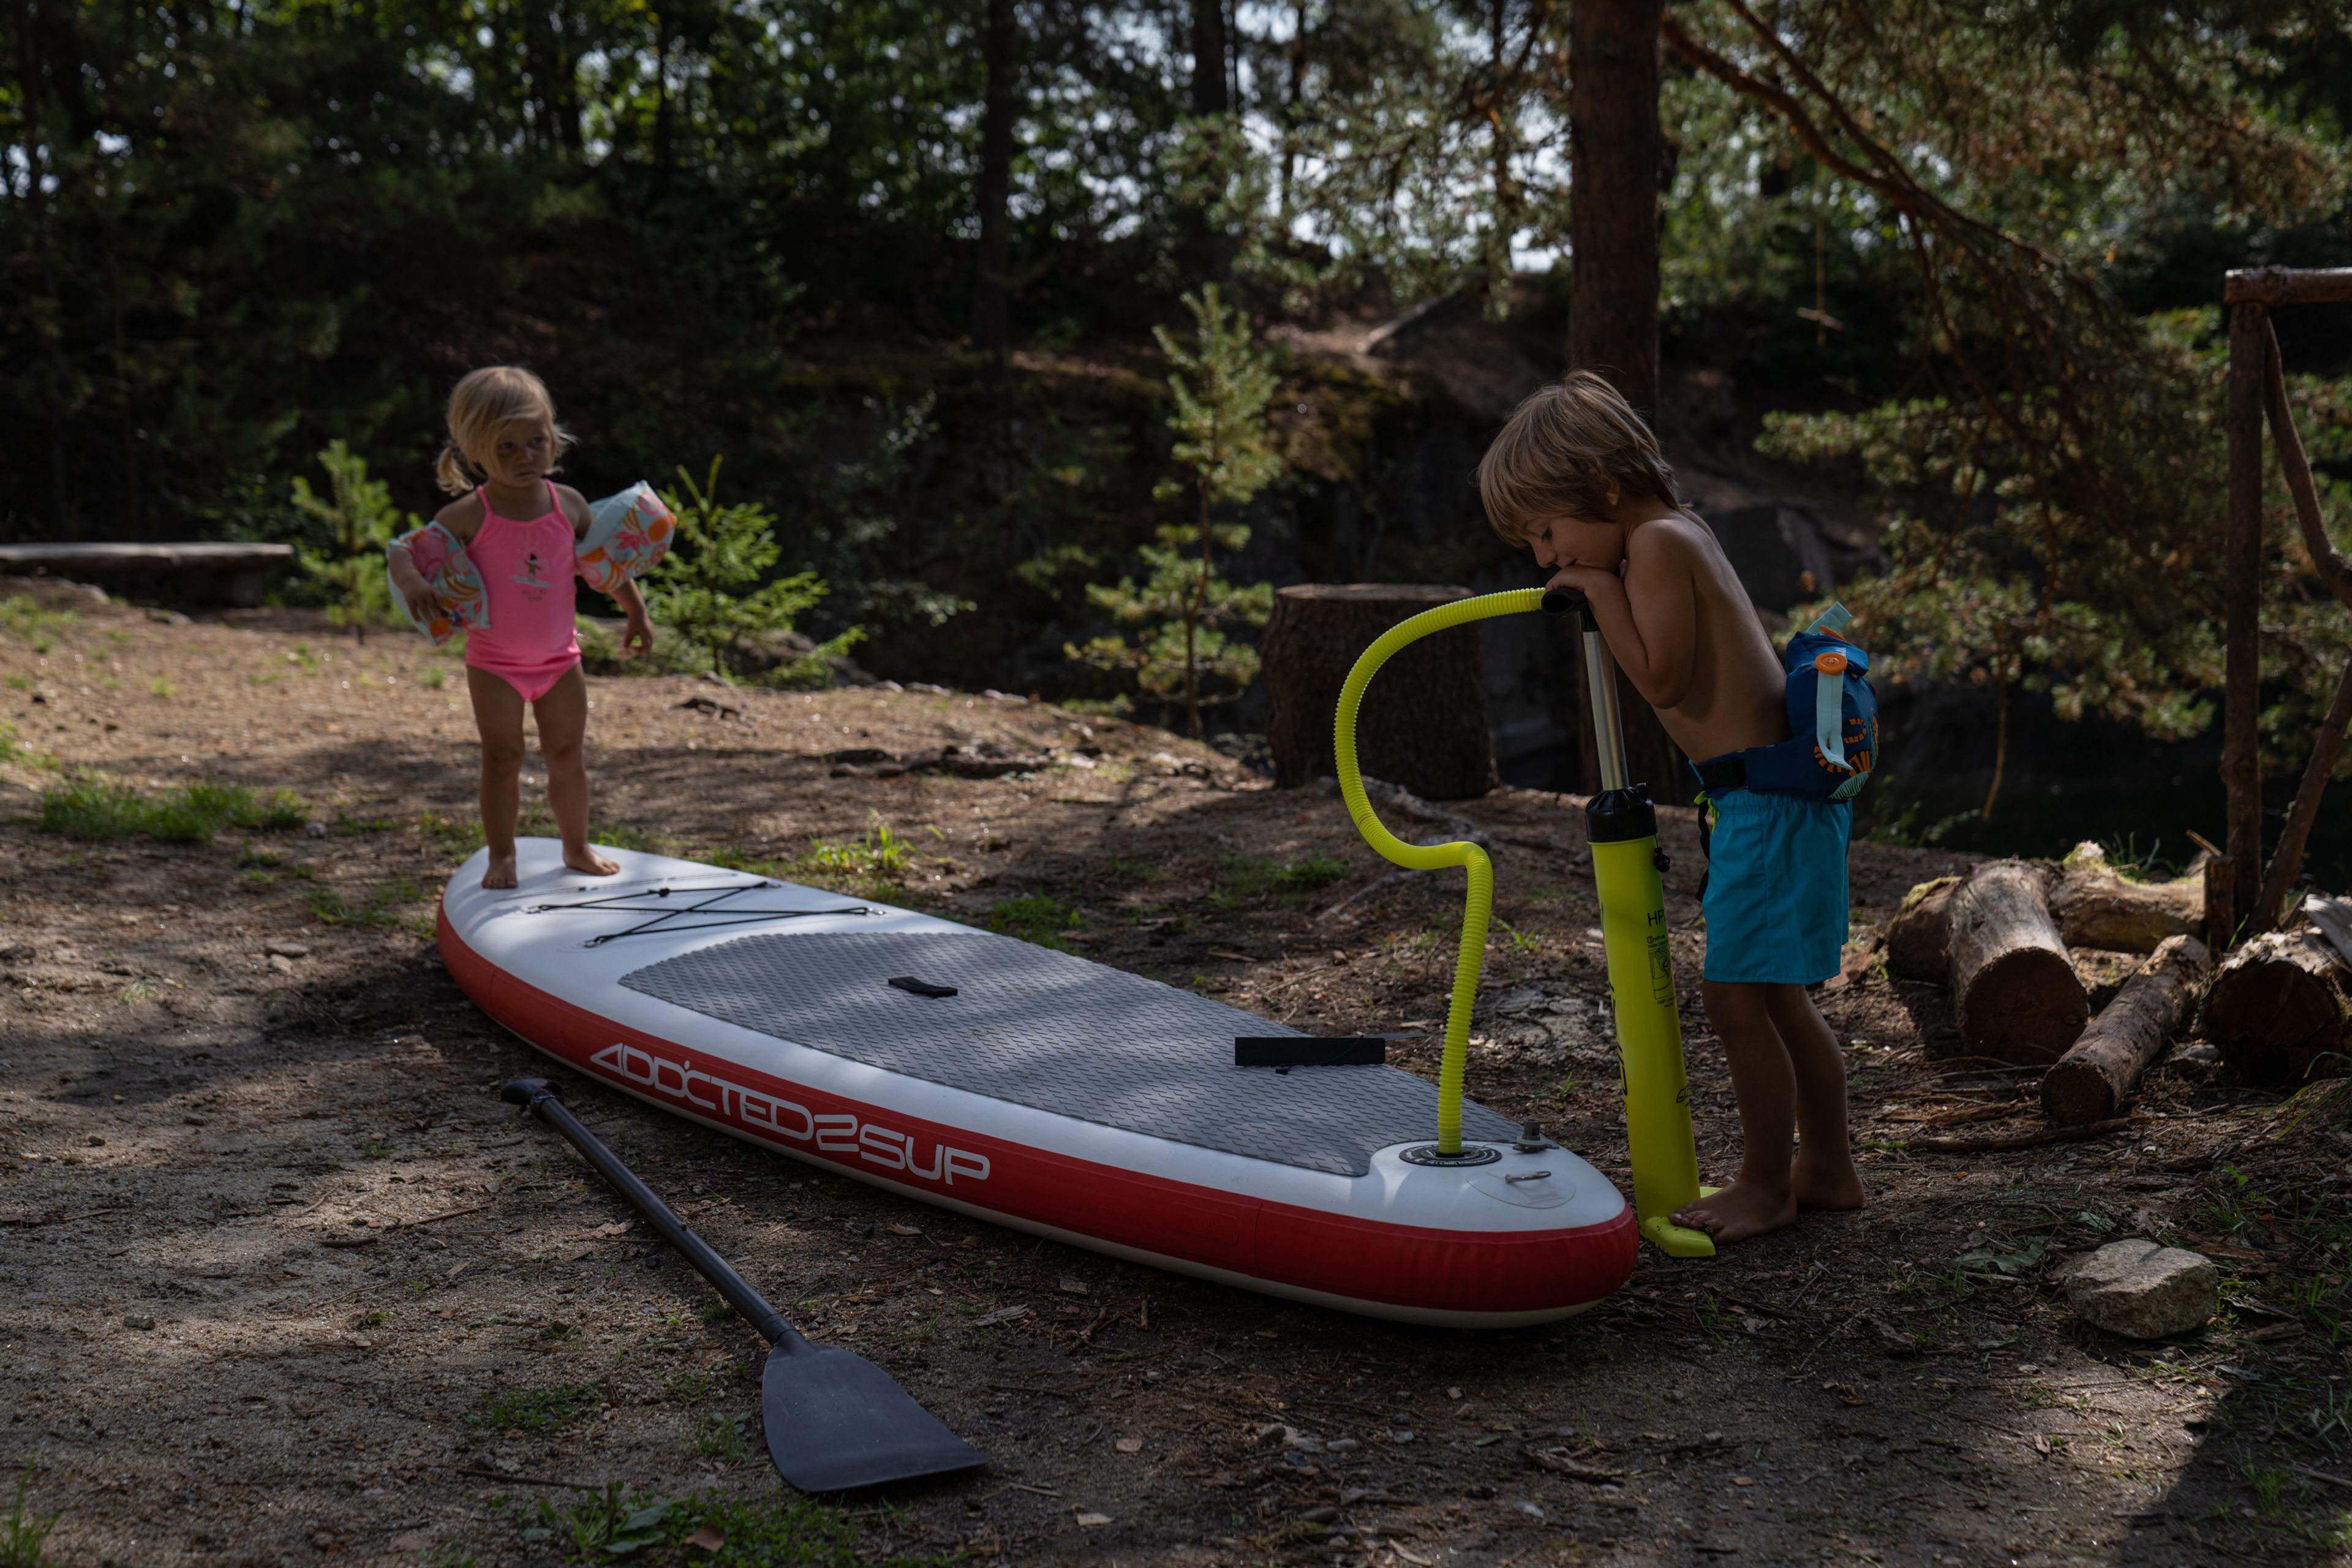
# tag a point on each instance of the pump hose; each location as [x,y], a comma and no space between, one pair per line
[1479,899]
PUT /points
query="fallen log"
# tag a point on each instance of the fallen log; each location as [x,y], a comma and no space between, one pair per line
[2015,993]
[2278,1009]
[1920,936]
[2098,1073]
[2094,907]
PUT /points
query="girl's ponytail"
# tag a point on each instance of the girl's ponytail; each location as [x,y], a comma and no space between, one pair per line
[484,403]
[456,475]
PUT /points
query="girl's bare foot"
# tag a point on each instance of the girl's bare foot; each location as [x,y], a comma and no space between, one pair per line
[1741,1210]
[588,863]
[1827,1184]
[502,872]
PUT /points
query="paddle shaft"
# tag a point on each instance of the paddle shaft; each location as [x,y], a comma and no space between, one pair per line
[539,1096]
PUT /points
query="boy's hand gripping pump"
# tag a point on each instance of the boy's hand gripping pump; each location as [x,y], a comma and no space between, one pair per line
[1621,826]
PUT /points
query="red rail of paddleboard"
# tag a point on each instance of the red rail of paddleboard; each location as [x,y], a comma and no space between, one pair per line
[1367,1260]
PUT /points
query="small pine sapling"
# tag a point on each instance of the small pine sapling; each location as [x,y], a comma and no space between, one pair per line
[709,591]
[359,521]
[1186,611]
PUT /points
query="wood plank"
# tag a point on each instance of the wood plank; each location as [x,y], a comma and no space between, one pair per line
[2287,286]
[102,558]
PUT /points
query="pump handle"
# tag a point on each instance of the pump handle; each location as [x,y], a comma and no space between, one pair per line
[1563,601]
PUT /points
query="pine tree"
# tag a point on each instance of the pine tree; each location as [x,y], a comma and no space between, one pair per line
[359,521]
[1223,437]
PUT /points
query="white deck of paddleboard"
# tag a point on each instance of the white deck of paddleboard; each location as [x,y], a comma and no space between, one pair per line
[1039,1047]
[1059,1033]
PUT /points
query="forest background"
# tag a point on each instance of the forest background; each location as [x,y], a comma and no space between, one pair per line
[900,265]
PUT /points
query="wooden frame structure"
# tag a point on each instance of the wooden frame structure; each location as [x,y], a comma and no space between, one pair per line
[2243,897]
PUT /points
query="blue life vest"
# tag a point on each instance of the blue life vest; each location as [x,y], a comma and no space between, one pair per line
[1832,718]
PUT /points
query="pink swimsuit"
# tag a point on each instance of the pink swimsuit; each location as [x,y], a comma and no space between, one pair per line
[527,569]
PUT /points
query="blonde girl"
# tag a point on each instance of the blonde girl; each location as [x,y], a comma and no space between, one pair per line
[521,531]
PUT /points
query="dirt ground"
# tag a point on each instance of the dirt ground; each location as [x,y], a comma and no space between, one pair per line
[287,1284]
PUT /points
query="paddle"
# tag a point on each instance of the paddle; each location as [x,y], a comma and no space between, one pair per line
[835,1420]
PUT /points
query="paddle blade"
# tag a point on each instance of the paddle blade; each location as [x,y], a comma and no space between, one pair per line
[835,1421]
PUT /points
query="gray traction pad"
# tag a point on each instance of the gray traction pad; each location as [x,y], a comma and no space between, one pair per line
[1046,1029]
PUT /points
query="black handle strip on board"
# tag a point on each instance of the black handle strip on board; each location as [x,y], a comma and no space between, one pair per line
[920,987]
[541,1098]
[1308,1051]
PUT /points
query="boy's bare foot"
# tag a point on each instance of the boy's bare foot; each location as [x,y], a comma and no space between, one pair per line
[588,863]
[1830,1184]
[502,872]
[1739,1211]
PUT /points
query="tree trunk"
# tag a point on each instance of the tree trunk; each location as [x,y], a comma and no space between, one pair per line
[2241,565]
[1614,152]
[2221,903]
[1424,721]
[2093,1080]
[2096,907]
[991,318]
[1920,936]
[2278,1006]
[1614,146]
[2015,993]
[1209,58]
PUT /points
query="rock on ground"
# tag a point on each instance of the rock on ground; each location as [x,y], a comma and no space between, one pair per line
[2143,1291]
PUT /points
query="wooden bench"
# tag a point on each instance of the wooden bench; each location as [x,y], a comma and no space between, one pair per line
[232,574]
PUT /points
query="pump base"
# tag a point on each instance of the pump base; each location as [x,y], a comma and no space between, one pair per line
[1679,1240]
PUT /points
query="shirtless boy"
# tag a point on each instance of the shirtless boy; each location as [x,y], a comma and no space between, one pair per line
[1577,477]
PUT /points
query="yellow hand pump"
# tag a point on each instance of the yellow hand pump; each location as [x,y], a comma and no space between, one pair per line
[1621,827]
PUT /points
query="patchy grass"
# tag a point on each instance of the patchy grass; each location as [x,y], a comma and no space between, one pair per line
[94,808]
[538,1409]
[778,1529]
[11,751]
[384,909]
[24,1535]
[720,1437]
[1035,917]
[22,619]
[877,857]
[1244,877]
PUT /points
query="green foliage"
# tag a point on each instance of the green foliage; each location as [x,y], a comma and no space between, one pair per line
[1186,608]
[714,596]
[97,809]
[2008,574]
[24,1533]
[1035,917]
[538,1409]
[355,520]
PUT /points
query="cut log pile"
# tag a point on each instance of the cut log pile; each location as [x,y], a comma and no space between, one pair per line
[2278,1009]
[2098,1073]
[2002,938]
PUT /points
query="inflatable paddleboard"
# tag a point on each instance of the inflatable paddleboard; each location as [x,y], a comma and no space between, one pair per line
[1031,1088]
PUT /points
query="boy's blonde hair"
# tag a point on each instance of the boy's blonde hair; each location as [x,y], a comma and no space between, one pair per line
[485,403]
[1559,452]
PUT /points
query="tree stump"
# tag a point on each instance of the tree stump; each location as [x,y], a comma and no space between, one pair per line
[2096,907]
[1423,723]
[2015,993]
[2093,1080]
[1920,936]
[2278,1006]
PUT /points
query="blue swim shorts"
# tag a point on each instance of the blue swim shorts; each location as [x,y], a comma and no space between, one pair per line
[1776,889]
